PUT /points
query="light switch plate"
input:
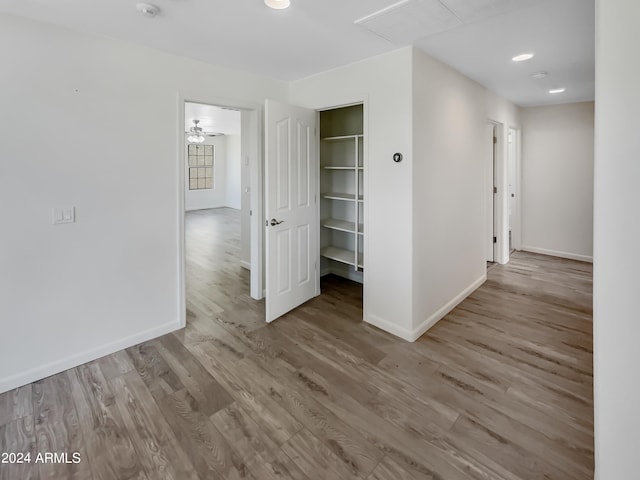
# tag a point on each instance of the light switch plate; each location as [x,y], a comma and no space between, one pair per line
[64,215]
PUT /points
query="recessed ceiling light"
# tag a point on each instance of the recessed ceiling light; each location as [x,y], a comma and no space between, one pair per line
[522,57]
[277,4]
[147,9]
[557,90]
[539,75]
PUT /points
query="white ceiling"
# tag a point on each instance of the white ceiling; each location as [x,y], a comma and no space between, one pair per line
[561,33]
[477,37]
[212,119]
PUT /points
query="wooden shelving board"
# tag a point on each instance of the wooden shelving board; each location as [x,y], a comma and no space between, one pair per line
[350,197]
[342,137]
[342,225]
[341,255]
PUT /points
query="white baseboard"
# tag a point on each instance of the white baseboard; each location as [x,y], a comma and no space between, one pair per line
[245,265]
[441,312]
[38,373]
[413,335]
[389,327]
[556,253]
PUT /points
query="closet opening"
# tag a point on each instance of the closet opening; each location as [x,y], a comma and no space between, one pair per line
[342,204]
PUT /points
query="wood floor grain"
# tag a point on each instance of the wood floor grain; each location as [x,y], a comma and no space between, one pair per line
[500,389]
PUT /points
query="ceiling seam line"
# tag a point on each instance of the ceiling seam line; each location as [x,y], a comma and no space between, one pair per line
[452,12]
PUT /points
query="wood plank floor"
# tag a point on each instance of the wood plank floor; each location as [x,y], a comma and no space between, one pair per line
[499,389]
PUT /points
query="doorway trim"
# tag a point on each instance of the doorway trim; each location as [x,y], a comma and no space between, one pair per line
[254,110]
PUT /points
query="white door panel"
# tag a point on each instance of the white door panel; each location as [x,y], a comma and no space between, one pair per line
[291,209]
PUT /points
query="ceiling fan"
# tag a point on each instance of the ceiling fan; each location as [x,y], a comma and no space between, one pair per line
[197,134]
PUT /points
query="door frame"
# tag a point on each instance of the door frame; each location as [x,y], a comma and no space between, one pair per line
[256,156]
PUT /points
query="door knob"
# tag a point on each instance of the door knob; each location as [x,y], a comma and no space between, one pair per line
[276,222]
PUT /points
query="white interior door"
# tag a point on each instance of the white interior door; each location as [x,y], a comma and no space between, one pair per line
[291,210]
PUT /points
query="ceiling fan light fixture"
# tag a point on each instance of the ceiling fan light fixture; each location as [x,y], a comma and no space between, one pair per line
[277,4]
[195,138]
[195,133]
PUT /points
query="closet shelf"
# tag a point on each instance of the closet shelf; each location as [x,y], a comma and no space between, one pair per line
[342,137]
[337,167]
[342,255]
[350,197]
[342,225]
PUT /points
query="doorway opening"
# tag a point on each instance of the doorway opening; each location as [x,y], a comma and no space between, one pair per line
[219,214]
[217,233]
[343,201]
[490,191]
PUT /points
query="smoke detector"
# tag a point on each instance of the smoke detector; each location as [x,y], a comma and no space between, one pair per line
[147,9]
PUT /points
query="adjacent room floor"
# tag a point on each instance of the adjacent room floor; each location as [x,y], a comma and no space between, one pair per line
[499,389]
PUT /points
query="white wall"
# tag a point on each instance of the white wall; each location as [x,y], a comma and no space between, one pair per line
[450,114]
[210,198]
[233,164]
[107,117]
[617,230]
[557,180]
[385,83]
